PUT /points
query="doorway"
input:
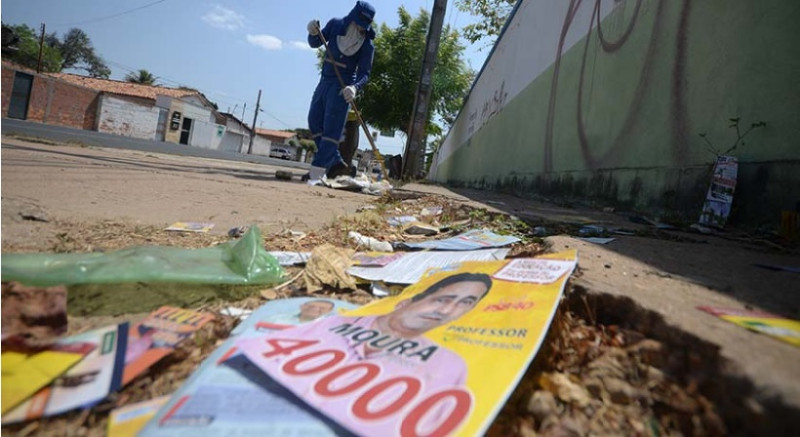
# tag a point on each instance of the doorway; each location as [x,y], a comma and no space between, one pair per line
[186,130]
[20,95]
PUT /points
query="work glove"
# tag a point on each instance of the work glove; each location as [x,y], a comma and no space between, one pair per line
[349,93]
[313,27]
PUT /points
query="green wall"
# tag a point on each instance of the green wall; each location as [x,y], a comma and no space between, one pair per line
[622,124]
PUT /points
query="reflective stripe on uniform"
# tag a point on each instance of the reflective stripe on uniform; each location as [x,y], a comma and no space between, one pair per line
[330,139]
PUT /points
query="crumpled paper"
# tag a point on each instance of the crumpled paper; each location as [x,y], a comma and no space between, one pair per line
[328,266]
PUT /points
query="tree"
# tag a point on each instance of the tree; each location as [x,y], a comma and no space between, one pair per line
[97,68]
[492,15]
[77,52]
[303,133]
[388,98]
[74,50]
[27,53]
[309,145]
[143,77]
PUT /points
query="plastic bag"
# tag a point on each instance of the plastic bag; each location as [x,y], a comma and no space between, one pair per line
[243,261]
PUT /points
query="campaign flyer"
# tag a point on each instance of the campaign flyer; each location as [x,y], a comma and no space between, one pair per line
[439,359]
[222,400]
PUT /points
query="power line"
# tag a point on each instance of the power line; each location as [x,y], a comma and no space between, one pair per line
[108,17]
[228,99]
[276,118]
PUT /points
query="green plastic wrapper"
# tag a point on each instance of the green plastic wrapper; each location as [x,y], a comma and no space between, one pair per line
[243,261]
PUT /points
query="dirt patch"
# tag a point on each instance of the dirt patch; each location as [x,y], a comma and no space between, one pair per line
[67,184]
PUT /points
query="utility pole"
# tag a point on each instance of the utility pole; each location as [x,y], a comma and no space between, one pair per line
[255,117]
[41,49]
[414,156]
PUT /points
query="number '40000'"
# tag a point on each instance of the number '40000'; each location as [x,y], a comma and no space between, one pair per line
[326,364]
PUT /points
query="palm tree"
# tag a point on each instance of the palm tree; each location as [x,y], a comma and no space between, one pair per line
[143,77]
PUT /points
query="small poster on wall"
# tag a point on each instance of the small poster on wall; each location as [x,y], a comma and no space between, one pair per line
[717,206]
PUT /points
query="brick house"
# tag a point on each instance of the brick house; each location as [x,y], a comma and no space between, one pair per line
[27,95]
[135,110]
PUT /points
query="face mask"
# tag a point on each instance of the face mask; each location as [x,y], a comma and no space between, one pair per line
[351,41]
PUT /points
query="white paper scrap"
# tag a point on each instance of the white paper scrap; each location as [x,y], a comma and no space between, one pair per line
[291,258]
[535,270]
[598,240]
[410,268]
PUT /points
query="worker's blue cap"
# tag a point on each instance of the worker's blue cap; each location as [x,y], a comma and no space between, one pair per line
[362,14]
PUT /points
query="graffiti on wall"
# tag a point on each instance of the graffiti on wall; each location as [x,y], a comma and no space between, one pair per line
[489,108]
[592,157]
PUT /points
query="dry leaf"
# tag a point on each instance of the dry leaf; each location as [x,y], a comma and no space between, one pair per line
[562,386]
[328,266]
[269,294]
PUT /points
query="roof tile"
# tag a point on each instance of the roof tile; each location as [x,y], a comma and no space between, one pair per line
[275,133]
[123,88]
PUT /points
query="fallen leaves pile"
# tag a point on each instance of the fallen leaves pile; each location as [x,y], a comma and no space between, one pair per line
[603,380]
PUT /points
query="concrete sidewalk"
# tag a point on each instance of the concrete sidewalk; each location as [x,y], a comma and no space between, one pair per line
[672,278]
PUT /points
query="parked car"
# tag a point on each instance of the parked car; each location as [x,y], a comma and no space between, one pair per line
[280,152]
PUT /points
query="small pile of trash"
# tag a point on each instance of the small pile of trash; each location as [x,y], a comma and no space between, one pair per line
[362,183]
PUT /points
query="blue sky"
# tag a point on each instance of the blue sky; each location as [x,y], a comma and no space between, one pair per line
[227,49]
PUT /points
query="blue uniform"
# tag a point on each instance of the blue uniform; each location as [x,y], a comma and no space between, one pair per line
[328,111]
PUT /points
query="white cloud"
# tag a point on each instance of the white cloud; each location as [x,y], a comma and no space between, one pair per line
[266,42]
[301,45]
[224,18]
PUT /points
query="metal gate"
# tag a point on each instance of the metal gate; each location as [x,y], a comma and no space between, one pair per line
[20,95]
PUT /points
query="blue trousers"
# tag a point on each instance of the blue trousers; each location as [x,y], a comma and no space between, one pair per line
[326,118]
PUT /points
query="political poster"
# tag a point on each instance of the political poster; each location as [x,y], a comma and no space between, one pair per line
[88,382]
[762,322]
[439,359]
[719,198]
[219,400]
[157,336]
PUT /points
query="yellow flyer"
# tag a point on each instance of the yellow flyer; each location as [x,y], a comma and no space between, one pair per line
[128,420]
[24,374]
[439,359]
[770,324]
[190,227]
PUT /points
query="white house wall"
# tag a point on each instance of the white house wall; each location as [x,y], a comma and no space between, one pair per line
[123,117]
[216,137]
[527,48]
[206,135]
[261,145]
[233,142]
[195,113]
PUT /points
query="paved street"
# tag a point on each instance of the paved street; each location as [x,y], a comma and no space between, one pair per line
[92,138]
